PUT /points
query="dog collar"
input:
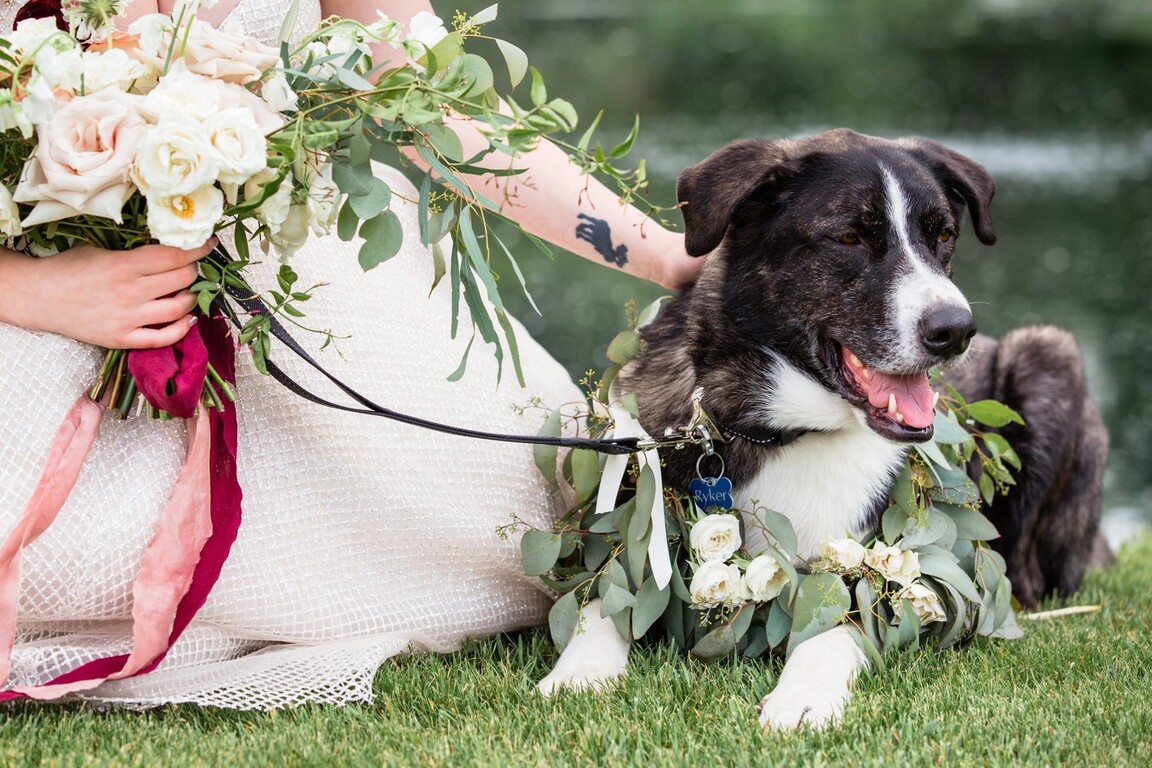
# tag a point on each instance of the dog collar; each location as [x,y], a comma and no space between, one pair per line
[765,436]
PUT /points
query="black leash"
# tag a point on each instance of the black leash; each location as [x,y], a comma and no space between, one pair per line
[252,304]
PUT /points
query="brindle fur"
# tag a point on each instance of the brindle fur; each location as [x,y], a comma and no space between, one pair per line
[763,210]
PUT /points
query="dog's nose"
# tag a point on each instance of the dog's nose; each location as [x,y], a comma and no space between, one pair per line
[946,330]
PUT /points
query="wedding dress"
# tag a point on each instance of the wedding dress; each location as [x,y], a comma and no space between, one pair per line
[361,538]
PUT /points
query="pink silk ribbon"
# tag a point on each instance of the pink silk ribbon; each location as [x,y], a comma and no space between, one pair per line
[197,526]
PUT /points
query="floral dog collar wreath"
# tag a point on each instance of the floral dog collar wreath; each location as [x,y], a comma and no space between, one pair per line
[670,563]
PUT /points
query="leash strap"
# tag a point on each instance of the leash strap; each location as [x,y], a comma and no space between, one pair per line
[252,304]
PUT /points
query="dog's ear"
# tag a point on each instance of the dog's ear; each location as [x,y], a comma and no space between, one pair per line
[963,175]
[710,191]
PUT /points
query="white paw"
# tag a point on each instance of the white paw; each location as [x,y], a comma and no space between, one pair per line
[594,677]
[815,684]
[594,658]
[788,710]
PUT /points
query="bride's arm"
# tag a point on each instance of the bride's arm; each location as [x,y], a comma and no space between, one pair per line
[553,199]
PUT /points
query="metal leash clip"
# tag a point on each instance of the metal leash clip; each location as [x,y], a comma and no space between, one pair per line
[701,430]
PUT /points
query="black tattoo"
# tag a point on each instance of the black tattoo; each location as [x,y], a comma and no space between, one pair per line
[597,232]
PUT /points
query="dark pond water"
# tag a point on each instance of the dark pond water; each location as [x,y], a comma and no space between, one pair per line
[1053,97]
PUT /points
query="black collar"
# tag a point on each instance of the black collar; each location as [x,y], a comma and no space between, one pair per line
[765,436]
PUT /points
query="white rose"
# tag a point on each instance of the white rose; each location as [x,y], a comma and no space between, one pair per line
[894,564]
[9,214]
[843,554]
[323,201]
[175,157]
[764,579]
[185,220]
[278,94]
[82,159]
[242,148]
[227,54]
[716,584]
[110,69]
[274,210]
[292,232]
[715,537]
[924,601]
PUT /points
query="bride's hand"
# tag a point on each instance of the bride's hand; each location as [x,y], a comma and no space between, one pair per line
[134,299]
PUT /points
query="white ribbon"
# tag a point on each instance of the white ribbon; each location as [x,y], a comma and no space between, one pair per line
[624,425]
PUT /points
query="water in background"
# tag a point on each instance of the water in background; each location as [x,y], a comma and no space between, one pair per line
[1052,96]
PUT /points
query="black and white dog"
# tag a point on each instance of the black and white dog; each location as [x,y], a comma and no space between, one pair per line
[824,303]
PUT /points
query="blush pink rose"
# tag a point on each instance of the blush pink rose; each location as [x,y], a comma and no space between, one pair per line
[226,54]
[82,158]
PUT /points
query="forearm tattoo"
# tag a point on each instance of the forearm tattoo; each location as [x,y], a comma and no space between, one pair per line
[597,232]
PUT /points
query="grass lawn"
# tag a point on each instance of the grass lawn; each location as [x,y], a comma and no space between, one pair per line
[1075,691]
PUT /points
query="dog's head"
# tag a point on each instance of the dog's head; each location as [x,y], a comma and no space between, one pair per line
[836,251]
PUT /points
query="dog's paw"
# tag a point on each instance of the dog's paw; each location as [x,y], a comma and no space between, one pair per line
[595,657]
[596,677]
[788,710]
[815,684]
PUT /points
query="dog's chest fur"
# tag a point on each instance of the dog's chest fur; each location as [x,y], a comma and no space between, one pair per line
[826,484]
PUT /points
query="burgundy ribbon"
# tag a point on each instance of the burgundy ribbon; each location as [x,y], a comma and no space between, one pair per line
[173,379]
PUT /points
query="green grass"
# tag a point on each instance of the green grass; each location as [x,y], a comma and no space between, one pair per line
[1074,691]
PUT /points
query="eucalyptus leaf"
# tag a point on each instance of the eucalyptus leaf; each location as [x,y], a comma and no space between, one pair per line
[515,59]
[545,456]
[946,429]
[369,205]
[563,618]
[717,644]
[616,599]
[485,16]
[585,473]
[651,602]
[948,570]
[445,141]
[928,529]
[353,179]
[778,623]
[993,413]
[596,551]
[778,527]
[822,602]
[347,223]
[383,236]
[970,524]
[539,551]
[624,347]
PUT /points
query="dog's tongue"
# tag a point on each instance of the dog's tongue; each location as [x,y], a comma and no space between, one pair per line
[913,395]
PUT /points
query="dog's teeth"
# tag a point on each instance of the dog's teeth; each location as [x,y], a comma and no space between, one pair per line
[855,360]
[899,418]
[935,400]
[892,404]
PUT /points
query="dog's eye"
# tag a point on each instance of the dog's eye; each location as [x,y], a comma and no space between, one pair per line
[848,238]
[945,235]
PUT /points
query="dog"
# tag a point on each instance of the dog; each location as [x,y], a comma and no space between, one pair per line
[825,300]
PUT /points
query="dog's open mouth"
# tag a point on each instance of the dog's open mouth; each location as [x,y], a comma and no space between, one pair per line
[900,407]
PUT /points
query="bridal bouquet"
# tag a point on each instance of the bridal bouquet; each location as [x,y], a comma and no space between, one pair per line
[175,130]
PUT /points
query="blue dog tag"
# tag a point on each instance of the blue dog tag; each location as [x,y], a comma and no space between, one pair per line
[711,492]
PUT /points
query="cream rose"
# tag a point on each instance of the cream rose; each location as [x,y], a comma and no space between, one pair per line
[185,220]
[175,157]
[227,54]
[242,148]
[110,69]
[715,537]
[843,554]
[764,579]
[9,214]
[323,201]
[82,159]
[292,232]
[716,584]
[924,601]
[894,564]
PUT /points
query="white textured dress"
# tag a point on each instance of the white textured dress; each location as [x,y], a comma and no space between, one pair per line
[361,538]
